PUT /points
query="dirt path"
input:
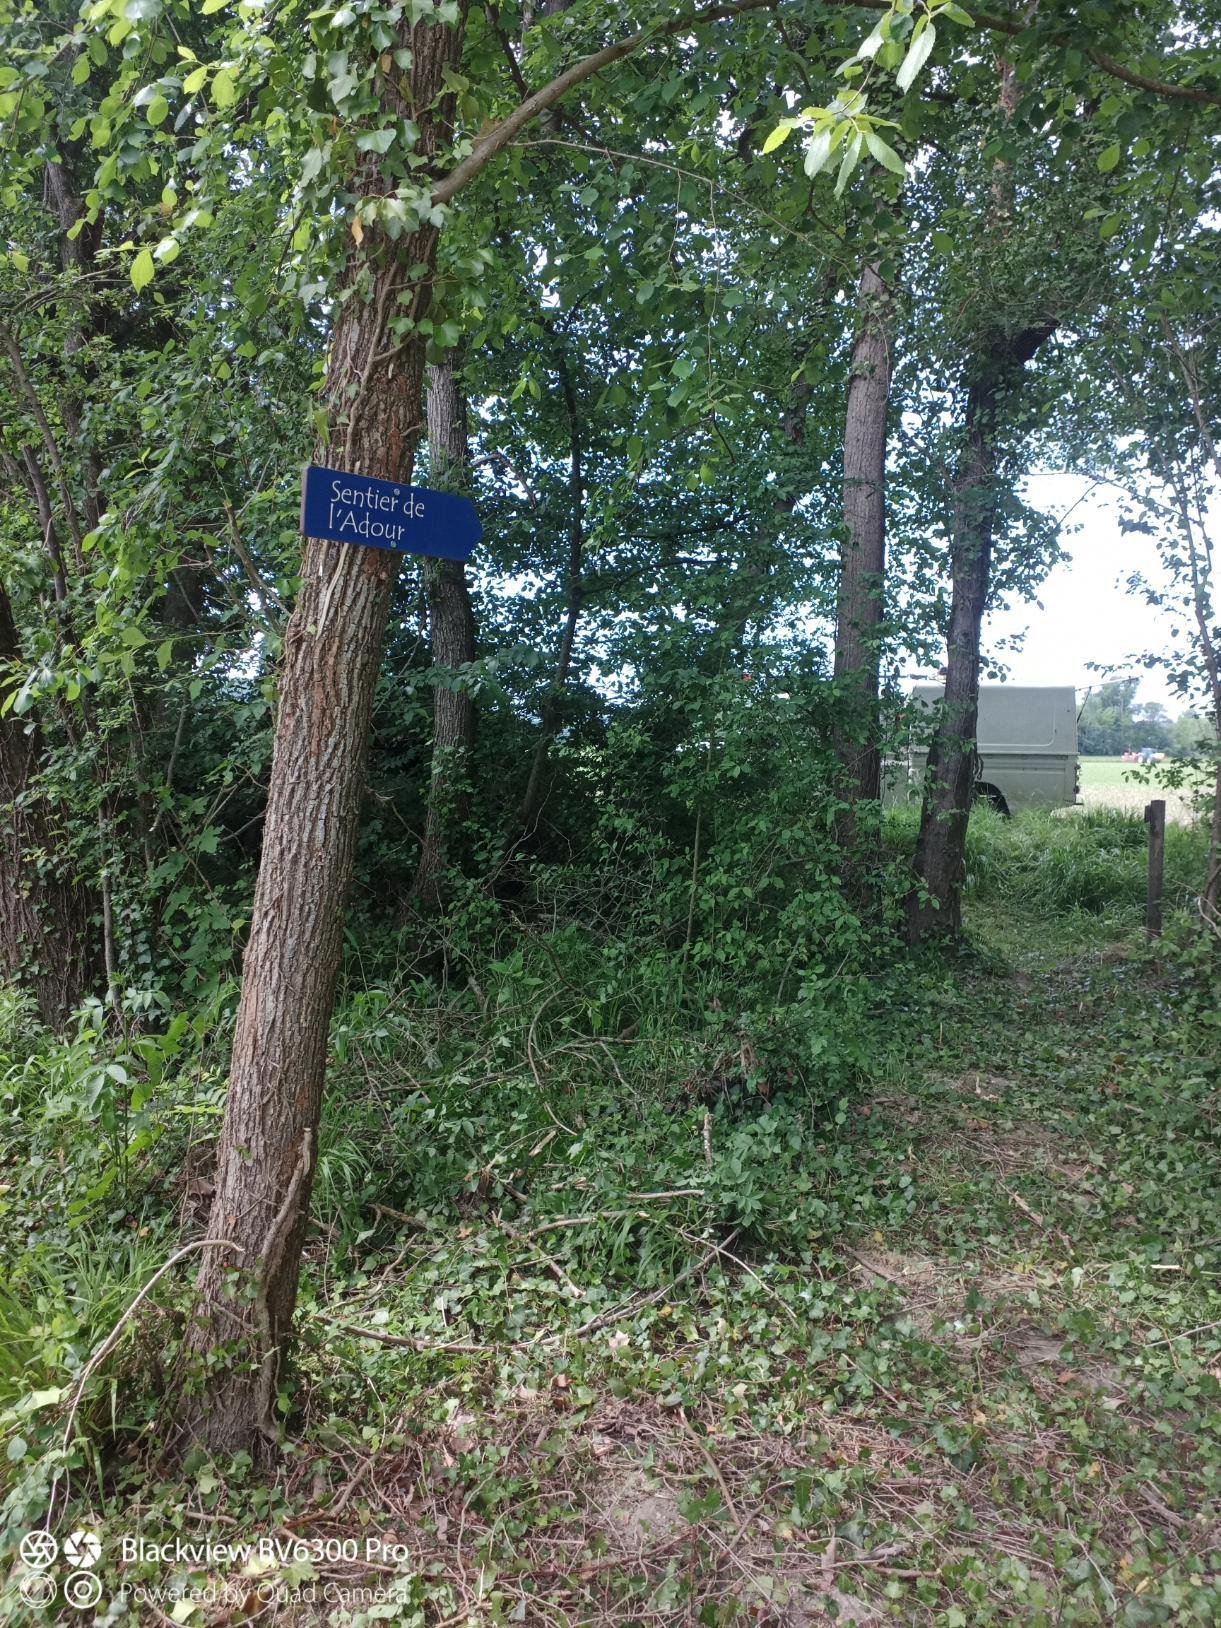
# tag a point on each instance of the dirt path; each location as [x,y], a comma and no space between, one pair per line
[989,1413]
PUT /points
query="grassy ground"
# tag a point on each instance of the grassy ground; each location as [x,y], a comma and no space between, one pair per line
[966,1374]
[1109,782]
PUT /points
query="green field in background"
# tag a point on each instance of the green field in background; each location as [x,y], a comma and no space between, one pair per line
[1111,771]
[1109,782]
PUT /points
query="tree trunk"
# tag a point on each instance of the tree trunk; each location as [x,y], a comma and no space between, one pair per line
[1211,897]
[863,553]
[532,799]
[934,904]
[1199,564]
[452,631]
[993,374]
[44,912]
[246,1292]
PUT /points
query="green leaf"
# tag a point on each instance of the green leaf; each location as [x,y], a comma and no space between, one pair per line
[1109,157]
[923,40]
[224,89]
[943,242]
[142,270]
[778,136]
[209,6]
[18,1447]
[195,80]
[885,155]
[957,15]
[819,151]
[869,48]
[376,141]
[157,109]
[851,158]
[41,1399]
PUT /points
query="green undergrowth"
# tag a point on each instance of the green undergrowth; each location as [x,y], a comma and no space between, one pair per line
[1093,861]
[617,1311]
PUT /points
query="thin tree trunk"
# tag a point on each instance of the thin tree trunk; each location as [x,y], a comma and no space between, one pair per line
[44,913]
[993,375]
[1199,562]
[934,905]
[452,631]
[863,553]
[1211,896]
[532,800]
[269,1141]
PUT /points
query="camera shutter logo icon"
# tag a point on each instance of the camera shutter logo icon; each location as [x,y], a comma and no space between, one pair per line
[39,1550]
[37,1589]
[82,1549]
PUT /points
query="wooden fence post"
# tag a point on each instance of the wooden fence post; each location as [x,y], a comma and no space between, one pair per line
[1155,819]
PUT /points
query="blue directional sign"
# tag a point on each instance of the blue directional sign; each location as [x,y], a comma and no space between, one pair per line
[383,514]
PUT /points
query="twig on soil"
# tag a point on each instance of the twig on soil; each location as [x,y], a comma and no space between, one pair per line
[1039,1221]
[412,1343]
[553,1266]
[877,1271]
[397,1215]
[749,1270]
[631,1307]
[1201,1328]
[738,1522]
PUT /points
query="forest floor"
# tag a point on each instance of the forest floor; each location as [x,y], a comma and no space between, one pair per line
[985,1397]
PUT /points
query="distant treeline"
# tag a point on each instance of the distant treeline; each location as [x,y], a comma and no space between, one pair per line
[1111,723]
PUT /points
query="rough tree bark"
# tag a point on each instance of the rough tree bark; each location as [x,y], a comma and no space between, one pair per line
[44,914]
[862,561]
[452,632]
[245,1296]
[934,904]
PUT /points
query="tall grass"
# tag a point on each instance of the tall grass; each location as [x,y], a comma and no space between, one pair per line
[1093,861]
